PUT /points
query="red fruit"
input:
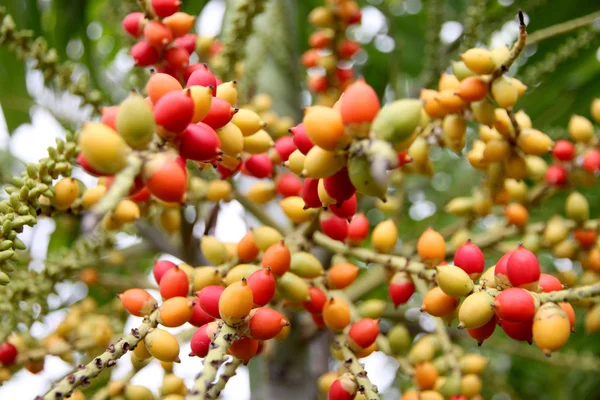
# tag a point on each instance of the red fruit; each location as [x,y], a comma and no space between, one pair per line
[345,210]
[401,289]
[278,258]
[187,42]
[244,349]
[523,269]
[458,397]
[556,175]
[199,142]
[208,298]
[83,163]
[591,161]
[355,17]
[344,74]
[158,34]
[262,283]
[500,274]
[310,58]
[132,23]
[191,69]
[318,320]
[265,323]
[483,332]
[226,172]
[259,166]
[173,283]
[318,84]
[348,48]
[319,40]
[585,237]
[164,8]
[137,302]
[360,104]
[144,54]
[160,268]
[358,229]
[550,283]
[317,300]
[168,182]
[141,196]
[301,140]
[568,309]
[470,259]
[174,111]
[199,316]
[310,193]
[403,158]
[563,150]
[364,332]
[339,186]
[335,227]
[109,116]
[288,185]
[515,305]
[177,57]
[201,339]
[284,147]
[519,331]
[8,354]
[203,77]
[220,113]
[343,388]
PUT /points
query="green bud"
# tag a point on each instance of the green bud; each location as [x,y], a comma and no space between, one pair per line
[52,153]
[47,179]
[6,254]
[23,210]
[4,279]
[60,145]
[18,244]
[23,193]
[14,201]
[18,182]
[11,189]
[5,245]
[7,266]
[4,207]
[32,170]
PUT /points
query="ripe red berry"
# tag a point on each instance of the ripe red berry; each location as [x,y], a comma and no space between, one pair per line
[591,161]
[226,172]
[132,23]
[203,77]
[344,74]
[470,259]
[339,186]
[550,283]
[310,58]
[318,83]
[199,316]
[343,388]
[345,210]
[335,227]
[585,237]
[173,283]
[8,354]
[523,269]
[167,180]
[160,268]
[400,288]
[500,274]
[483,332]
[208,298]
[301,139]
[316,302]
[187,42]
[220,113]
[158,34]
[358,229]
[519,331]
[364,332]
[200,342]
[288,185]
[277,257]
[137,302]
[174,111]
[348,48]
[177,58]
[265,323]
[262,283]
[515,305]
[284,146]
[244,349]
[199,142]
[85,164]
[310,193]
[360,104]
[144,54]
[563,150]
[556,175]
[259,166]
[164,8]
[318,320]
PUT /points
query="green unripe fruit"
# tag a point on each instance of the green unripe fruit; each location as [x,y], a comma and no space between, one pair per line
[577,207]
[359,171]
[103,148]
[214,250]
[398,120]
[372,308]
[450,387]
[476,310]
[292,287]
[306,265]
[460,70]
[453,281]
[399,339]
[556,230]
[135,121]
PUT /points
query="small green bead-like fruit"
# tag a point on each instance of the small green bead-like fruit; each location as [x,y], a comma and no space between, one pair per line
[398,120]
[135,121]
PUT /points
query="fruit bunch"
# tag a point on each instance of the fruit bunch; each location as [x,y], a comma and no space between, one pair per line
[329,59]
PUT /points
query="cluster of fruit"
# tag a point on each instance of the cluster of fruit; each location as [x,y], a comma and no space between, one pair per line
[329,58]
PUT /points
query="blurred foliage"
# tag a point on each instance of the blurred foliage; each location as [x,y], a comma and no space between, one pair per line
[550,102]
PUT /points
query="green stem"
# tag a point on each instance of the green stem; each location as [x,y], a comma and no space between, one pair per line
[562,28]
[351,364]
[573,294]
[82,376]
[228,372]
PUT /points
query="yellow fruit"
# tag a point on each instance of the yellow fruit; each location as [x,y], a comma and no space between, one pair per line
[172,384]
[448,82]
[385,236]
[138,392]
[551,328]
[262,102]
[503,124]
[577,207]
[459,206]
[325,381]
[232,140]
[454,126]
[296,162]
[175,311]
[66,192]
[323,195]
[292,287]
[320,163]
[321,17]
[372,308]
[261,192]
[170,220]
[483,111]
[265,236]
[126,211]
[476,310]
[453,280]
[141,351]
[504,92]
[258,143]
[103,148]
[516,167]
[236,302]
[499,54]
[580,128]
[516,189]
[293,208]
[478,60]
[92,195]
[206,276]
[536,167]
[248,121]
[534,142]
[239,272]
[325,129]
[592,319]
[218,190]
[306,265]
[202,97]
[496,150]
[135,122]
[228,92]
[214,250]
[595,110]
[162,345]
[470,385]
[473,363]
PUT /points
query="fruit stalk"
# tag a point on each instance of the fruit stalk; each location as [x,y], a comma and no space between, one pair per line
[106,360]
[259,213]
[228,372]
[515,51]
[562,28]
[355,368]
[573,294]
[213,360]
